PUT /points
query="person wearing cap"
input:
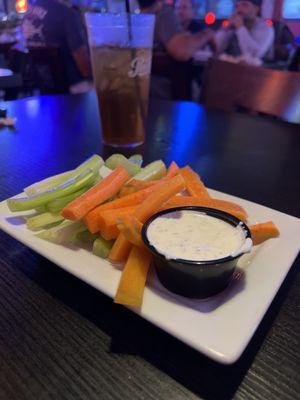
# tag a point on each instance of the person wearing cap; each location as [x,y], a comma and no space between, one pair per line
[246,34]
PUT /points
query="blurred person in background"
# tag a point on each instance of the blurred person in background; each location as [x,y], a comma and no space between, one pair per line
[185,12]
[284,43]
[247,34]
[54,23]
[171,41]
[169,36]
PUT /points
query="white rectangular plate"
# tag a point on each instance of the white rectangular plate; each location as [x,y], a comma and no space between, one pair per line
[221,326]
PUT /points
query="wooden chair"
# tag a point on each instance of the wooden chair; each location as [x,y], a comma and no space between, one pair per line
[179,74]
[283,39]
[5,48]
[44,70]
[231,87]
[11,85]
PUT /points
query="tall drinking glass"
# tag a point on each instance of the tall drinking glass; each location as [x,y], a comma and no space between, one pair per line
[121,51]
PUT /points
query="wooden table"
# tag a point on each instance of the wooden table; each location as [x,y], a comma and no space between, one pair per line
[61,339]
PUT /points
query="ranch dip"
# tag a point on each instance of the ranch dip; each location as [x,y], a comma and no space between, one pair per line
[195,236]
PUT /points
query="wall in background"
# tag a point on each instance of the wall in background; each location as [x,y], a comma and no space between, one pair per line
[293,25]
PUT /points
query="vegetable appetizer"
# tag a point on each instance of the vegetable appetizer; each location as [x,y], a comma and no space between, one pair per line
[107,203]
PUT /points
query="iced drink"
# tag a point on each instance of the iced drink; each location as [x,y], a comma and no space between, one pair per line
[121,70]
[121,78]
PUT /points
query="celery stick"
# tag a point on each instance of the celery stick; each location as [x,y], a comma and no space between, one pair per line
[154,170]
[47,183]
[102,247]
[136,159]
[40,209]
[104,171]
[63,233]
[80,229]
[86,237]
[93,163]
[72,185]
[117,160]
[97,180]
[58,204]
[42,220]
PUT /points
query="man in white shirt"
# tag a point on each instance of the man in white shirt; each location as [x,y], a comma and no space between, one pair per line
[247,34]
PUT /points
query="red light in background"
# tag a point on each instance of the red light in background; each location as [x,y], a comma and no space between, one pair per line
[210,18]
[269,22]
[225,23]
[21,6]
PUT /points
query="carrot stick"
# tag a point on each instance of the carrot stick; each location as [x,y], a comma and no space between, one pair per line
[223,205]
[104,190]
[111,217]
[133,279]
[106,218]
[131,228]
[126,201]
[148,207]
[109,220]
[120,249]
[171,171]
[134,185]
[92,222]
[263,231]
[158,197]
[193,182]
[110,232]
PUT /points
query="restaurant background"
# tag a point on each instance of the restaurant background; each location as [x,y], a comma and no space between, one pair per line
[63,336]
[289,10]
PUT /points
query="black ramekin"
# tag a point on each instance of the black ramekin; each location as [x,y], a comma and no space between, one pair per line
[195,279]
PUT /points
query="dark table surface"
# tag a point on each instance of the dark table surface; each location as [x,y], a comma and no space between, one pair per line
[61,339]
